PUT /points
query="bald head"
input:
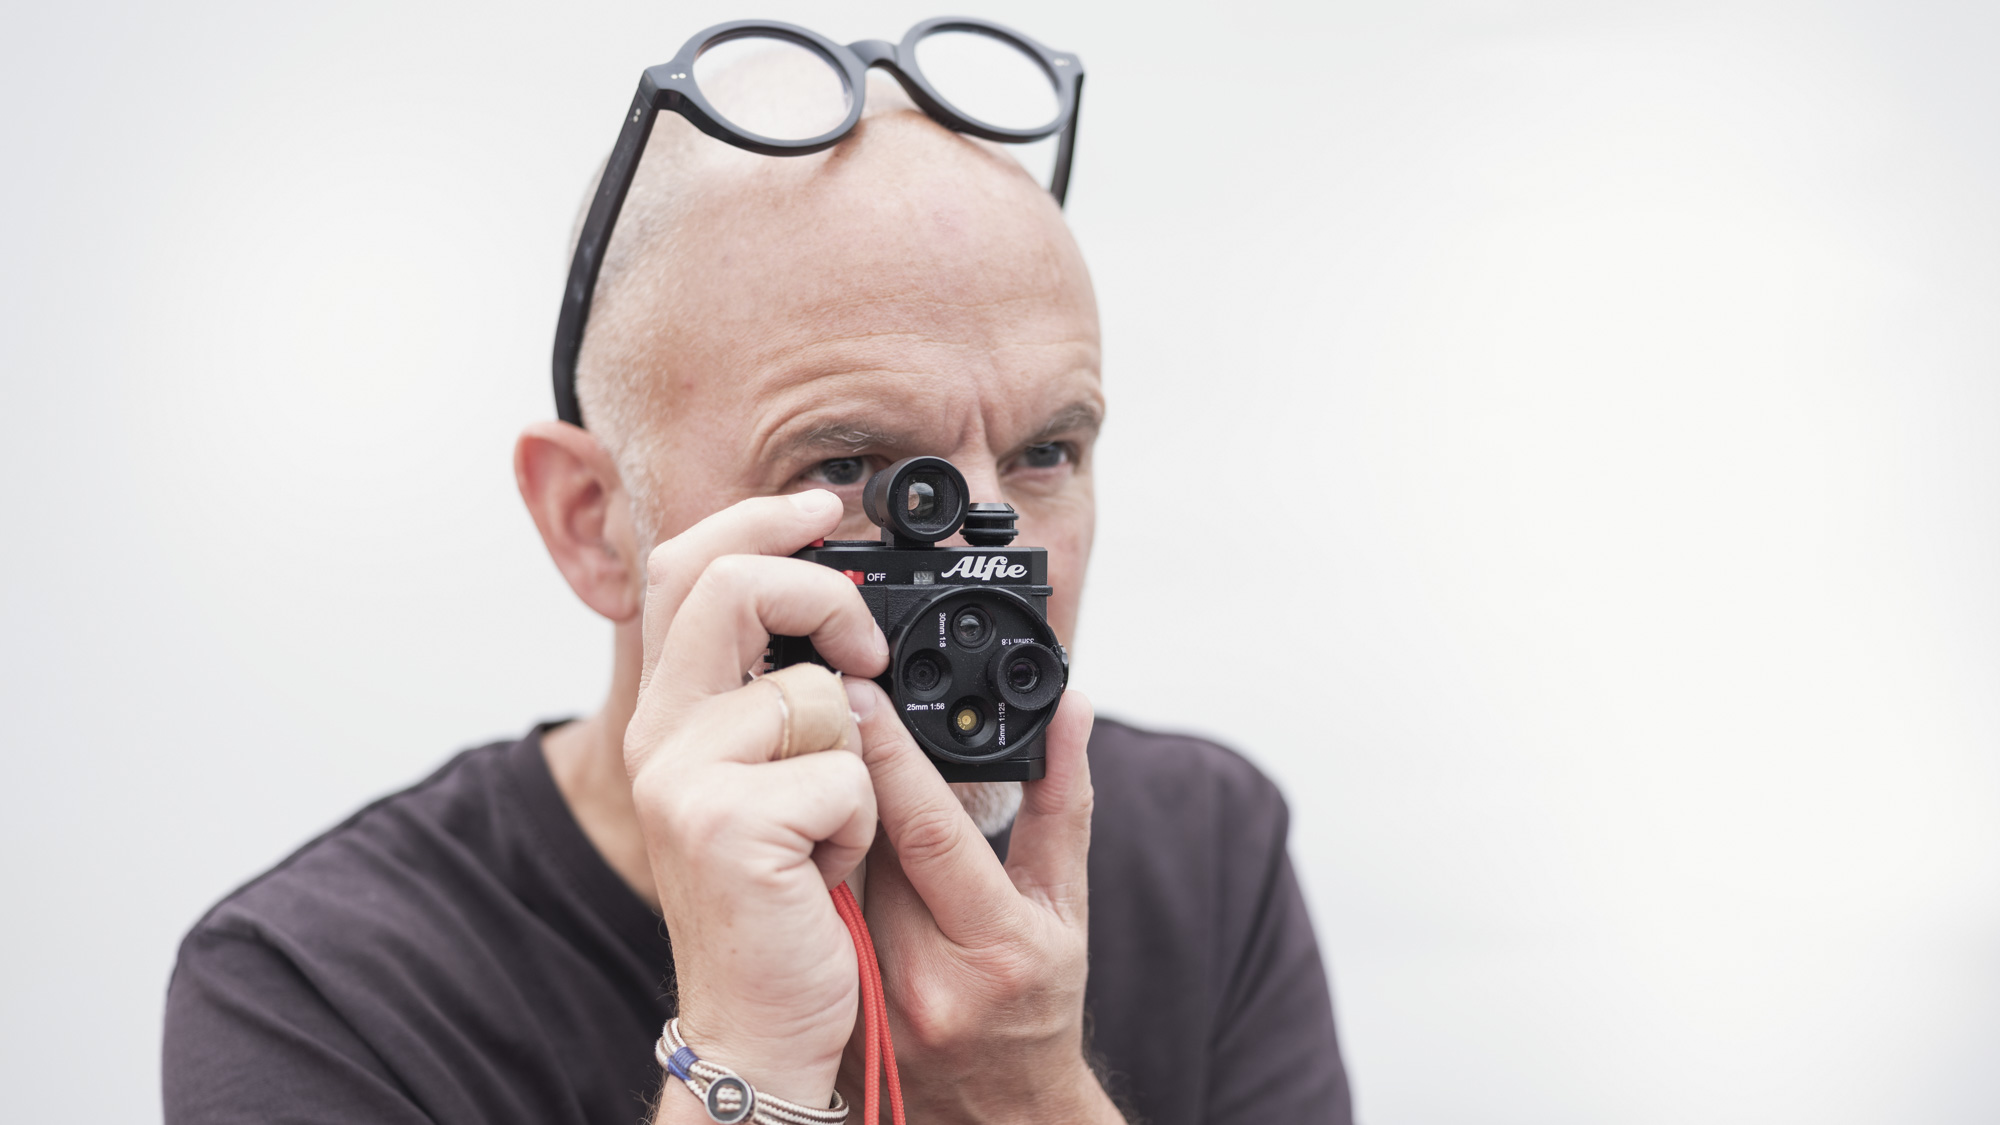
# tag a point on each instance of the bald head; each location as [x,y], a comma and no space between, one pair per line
[905,231]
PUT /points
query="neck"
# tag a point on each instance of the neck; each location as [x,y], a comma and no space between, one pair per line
[587,759]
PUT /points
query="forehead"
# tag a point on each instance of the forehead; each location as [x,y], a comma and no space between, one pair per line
[910,268]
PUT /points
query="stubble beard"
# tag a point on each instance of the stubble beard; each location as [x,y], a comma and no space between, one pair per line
[992,805]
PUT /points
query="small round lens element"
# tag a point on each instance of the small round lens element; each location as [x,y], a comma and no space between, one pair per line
[922,502]
[969,628]
[970,721]
[1027,676]
[926,676]
[1022,675]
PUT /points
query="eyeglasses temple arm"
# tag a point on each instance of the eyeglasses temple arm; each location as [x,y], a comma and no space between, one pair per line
[592,240]
[1066,147]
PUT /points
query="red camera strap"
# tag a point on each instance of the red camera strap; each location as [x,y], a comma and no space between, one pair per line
[880,1054]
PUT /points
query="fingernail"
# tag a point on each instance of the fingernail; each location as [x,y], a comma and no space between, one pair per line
[861,699]
[881,642]
[815,502]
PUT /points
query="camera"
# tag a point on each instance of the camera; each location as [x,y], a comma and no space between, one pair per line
[974,669]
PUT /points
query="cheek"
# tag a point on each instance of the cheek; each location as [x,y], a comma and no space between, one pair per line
[854,524]
[1066,531]
[667,504]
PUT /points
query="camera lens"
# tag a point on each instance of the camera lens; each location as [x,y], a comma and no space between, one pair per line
[923,674]
[922,502]
[1022,675]
[970,628]
[967,720]
[1027,675]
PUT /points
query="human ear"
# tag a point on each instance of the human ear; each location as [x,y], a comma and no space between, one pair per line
[579,504]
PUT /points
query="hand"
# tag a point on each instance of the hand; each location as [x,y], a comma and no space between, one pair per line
[984,965]
[743,849]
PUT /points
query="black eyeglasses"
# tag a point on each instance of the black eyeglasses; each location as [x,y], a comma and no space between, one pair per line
[968,75]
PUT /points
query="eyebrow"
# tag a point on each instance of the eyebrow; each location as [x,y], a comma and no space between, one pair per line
[852,436]
[842,437]
[1077,417]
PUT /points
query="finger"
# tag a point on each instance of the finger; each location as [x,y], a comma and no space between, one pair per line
[767,525]
[896,912]
[1048,853]
[726,621]
[818,809]
[748,725]
[827,798]
[813,708]
[940,851]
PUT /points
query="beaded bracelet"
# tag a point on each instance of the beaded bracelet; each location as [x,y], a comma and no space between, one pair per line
[727,1097]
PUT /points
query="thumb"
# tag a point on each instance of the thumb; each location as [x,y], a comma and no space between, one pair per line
[1049,850]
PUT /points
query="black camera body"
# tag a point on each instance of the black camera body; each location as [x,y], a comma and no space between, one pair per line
[974,669]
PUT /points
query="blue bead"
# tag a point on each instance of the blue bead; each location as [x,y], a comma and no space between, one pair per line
[679,1063]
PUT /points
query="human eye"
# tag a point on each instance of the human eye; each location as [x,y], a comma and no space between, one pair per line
[1045,455]
[839,472]
[844,476]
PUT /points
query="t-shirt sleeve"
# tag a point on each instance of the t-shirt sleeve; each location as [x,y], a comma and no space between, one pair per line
[1275,1056]
[248,1039]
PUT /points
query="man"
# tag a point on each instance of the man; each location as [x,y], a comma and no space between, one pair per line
[502,942]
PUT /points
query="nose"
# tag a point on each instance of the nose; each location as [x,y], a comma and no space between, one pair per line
[982,486]
[982,482]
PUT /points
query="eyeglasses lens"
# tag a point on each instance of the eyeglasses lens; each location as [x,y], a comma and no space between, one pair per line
[988,79]
[773,87]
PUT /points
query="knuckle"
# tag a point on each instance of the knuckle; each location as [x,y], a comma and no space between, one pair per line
[731,572]
[702,810]
[692,816]
[929,836]
[665,561]
[887,747]
[938,1022]
[1085,801]
[644,737]
[824,585]
[724,582]
[852,772]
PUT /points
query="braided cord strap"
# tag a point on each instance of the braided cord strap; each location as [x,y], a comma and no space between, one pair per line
[728,1098]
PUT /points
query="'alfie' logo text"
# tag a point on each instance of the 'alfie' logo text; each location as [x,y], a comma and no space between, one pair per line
[985,567]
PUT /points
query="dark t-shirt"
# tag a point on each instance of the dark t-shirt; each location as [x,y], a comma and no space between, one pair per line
[458,953]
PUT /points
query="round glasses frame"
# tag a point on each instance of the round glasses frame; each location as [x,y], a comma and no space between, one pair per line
[670,87]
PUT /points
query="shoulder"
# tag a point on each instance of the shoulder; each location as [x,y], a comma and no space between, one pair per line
[375,874]
[1181,787]
[364,976]
[1189,887]
[1184,830]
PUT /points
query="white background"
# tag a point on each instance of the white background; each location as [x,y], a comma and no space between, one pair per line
[1557,441]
